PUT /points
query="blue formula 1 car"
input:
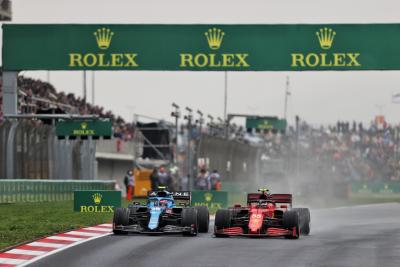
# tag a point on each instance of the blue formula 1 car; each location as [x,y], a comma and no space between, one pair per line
[162,214]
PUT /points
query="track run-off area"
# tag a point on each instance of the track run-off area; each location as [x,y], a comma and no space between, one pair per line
[366,235]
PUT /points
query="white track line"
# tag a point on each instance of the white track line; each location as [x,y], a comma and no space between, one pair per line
[97,229]
[26,252]
[44,244]
[106,224]
[12,261]
[83,233]
[65,238]
[61,249]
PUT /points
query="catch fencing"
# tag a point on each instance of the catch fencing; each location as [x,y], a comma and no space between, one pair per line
[31,150]
[237,162]
[23,190]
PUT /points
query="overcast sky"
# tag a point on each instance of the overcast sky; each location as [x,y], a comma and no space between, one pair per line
[318,97]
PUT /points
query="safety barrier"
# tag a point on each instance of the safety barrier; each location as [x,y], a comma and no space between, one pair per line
[212,199]
[379,189]
[24,190]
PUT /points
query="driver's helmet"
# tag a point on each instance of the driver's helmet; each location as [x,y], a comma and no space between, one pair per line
[270,205]
[163,203]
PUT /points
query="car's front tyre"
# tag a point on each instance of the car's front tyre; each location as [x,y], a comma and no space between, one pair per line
[189,219]
[203,218]
[121,217]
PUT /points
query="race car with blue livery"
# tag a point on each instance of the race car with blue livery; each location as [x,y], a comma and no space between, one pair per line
[162,214]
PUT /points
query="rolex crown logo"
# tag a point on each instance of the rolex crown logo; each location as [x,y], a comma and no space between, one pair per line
[325,37]
[214,38]
[84,125]
[97,198]
[103,37]
[208,197]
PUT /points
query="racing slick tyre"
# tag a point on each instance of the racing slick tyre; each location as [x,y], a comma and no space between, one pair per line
[203,218]
[189,219]
[223,219]
[291,221]
[121,217]
[304,214]
[305,230]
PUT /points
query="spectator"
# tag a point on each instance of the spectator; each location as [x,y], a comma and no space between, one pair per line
[164,178]
[126,181]
[214,181]
[131,186]
[201,181]
[154,180]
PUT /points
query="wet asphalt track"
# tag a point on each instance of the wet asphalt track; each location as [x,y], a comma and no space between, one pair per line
[354,236]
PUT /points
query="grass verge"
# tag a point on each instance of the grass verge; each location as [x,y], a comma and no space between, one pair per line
[21,222]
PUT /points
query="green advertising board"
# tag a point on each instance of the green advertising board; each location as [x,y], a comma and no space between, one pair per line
[212,199]
[96,200]
[377,188]
[212,47]
[84,128]
[266,123]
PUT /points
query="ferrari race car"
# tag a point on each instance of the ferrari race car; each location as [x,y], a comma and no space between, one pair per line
[162,215]
[265,215]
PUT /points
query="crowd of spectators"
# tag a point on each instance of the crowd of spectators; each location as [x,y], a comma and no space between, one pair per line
[346,151]
[352,152]
[36,96]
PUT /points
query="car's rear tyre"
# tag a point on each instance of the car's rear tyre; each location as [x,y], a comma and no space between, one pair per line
[121,217]
[291,221]
[223,219]
[305,218]
[203,218]
[189,219]
[305,229]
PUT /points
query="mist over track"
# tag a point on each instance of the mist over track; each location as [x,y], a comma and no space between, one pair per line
[365,236]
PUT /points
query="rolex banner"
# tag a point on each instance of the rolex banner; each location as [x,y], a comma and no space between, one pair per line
[201,47]
[96,200]
[376,189]
[212,199]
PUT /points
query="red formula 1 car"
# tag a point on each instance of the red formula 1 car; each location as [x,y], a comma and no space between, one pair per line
[265,215]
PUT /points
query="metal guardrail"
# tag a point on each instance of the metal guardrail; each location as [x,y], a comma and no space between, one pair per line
[26,190]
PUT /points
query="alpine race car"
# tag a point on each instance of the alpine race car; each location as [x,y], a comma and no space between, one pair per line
[266,215]
[162,215]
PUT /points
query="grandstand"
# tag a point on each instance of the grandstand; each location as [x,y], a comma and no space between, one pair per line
[348,151]
[38,97]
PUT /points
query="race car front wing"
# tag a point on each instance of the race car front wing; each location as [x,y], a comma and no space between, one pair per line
[167,229]
[269,232]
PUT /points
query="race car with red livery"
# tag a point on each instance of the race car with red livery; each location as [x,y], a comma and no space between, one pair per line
[266,215]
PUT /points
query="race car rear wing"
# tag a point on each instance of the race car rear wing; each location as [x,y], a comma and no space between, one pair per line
[179,196]
[182,195]
[277,198]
